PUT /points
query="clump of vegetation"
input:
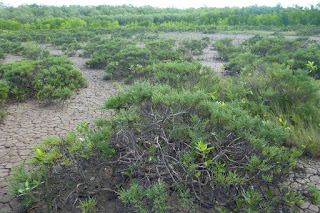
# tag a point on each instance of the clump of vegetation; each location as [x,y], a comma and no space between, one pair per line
[4,89]
[101,52]
[203,150]
[127,60]
[48,79]
[33,51]
[137,197]
[314,193]
[294,53]
[286,92]
[88,206]
[225,48]
[195,46]
[7,46]
[42,180]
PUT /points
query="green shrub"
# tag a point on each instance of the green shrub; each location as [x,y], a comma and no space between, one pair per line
[127,60]
[24,184]
[12,47]
[136,196]
[276,92]
[209,30]
[239,62]
[295,53]
[101,52]
[314,194]
[195,46]
[155,46]
[177,74]
[49,79]
[33,51]
[4,89]
[199,141]
[88,206]
[225,48]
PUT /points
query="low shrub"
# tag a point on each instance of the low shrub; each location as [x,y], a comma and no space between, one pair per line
[279,93]
[185,139]
[169,145]
[12,47]
[295,53]
[225,48]
[127,60]
[102,52]
[4,89]
[195,46]
[33,51]
[49,79]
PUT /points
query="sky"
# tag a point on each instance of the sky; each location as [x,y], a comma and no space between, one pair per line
[168,3]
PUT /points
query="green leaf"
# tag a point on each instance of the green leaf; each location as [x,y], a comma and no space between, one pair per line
[39,153]
[207,163]
[198,174]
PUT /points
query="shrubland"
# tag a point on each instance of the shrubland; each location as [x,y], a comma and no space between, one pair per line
[183,138]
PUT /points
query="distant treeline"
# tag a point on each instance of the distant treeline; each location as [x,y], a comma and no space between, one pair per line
[107,17]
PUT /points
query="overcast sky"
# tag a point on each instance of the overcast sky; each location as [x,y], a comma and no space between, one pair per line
[167,3]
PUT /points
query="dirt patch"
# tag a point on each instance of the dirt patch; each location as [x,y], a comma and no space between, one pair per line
[11,58]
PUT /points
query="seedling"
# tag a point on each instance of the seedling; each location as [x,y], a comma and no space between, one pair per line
[203,149]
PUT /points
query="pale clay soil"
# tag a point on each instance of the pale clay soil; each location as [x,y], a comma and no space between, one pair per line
[28,122]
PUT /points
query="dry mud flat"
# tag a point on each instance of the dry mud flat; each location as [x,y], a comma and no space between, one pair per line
[28,122]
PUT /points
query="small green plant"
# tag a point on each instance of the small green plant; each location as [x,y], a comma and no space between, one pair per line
[136,196]
[88,206]
[24,184]
[312,68]
[221,210]
[314,194]
[39,157]
[4,89]
[251,200]
[203,149]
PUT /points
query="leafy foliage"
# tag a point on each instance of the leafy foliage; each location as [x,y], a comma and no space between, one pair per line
[195,46]
[4,89]
[186,119]
[7,46]
[101,52]
[136,196]
[109,17]
[33,51]
[48,79]
[282,92]
[126,60]
[295,53]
